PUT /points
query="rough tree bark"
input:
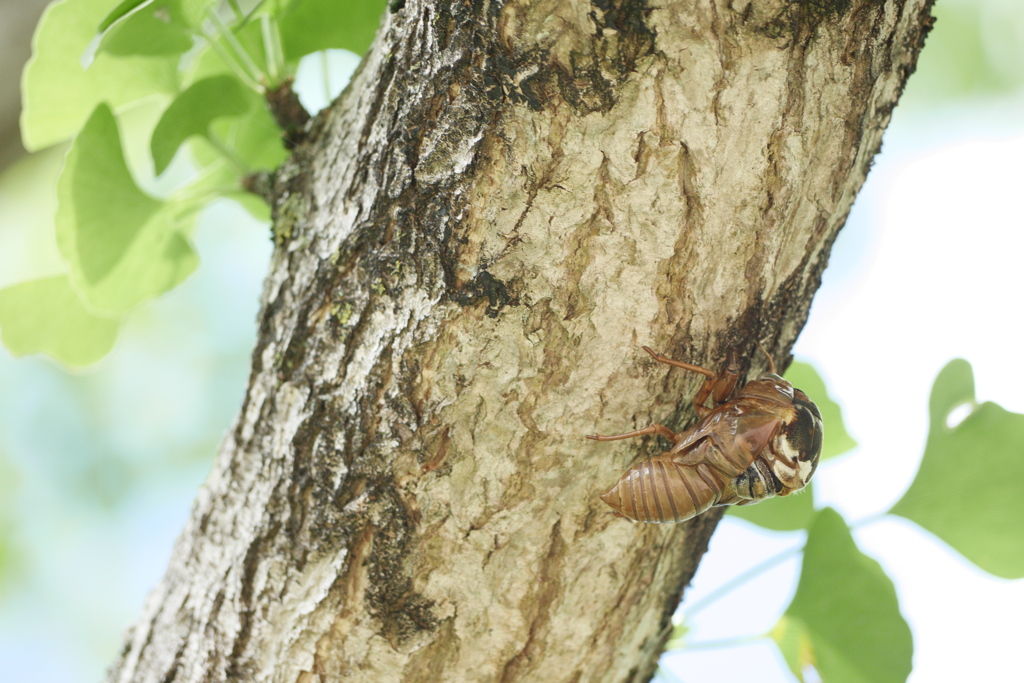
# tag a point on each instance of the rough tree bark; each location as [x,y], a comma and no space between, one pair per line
[473,242]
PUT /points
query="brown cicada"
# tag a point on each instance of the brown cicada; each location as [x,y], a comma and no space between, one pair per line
[759,442]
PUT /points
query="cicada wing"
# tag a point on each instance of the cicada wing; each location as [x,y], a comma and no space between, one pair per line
[721,421]
[754,431]
[730,498]
[660,490]
[736,500]
[734,446]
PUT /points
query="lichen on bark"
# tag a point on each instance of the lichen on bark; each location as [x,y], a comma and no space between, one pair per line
[472,243]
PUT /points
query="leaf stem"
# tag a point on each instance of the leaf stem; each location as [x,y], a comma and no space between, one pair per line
[243,55]
[738,581]
[325,68]
[272,48]
[236,8]
[724,642]
[236,67]
[198,199]
[256,8]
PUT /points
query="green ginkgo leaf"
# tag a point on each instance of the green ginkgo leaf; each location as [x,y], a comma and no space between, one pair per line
[151,30]
[118,12]
[785,513]
[188,12]
[192,112]
[46,316]
[192,12]
[967,489]
[312,25]
[795,645]
[846,607]
[123,246]
[255,138]
[61,87]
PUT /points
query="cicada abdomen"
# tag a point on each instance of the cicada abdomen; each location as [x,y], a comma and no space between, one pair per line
[660,490]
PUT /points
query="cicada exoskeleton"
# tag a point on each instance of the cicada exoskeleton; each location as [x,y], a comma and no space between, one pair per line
[759,442]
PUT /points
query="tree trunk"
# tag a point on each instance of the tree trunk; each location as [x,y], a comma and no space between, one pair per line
[473,242]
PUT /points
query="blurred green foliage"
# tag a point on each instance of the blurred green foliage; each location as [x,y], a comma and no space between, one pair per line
[203,66]
[193,112]
[856,634]
[11,555]
[975,49]
[46,315]
[117,259]
[968,490]
[98,468]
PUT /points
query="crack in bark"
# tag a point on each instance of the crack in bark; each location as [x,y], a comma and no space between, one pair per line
[547,593]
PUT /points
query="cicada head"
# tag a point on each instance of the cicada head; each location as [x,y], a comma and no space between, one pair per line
[797,445]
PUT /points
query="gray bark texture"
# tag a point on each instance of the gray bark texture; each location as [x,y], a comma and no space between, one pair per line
[473,243]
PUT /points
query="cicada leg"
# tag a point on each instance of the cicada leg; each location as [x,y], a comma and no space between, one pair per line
[678,363]
[771,361]
[725,381]
[660,430]
[718,387]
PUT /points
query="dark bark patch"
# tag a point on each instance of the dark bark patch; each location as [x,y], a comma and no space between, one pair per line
[802,18]
[260,549]
[624,21]
[486,286]
[390,596]
[295,353]
[584,86]
[694,211]
[602,61]
[314,522]
[288,112]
